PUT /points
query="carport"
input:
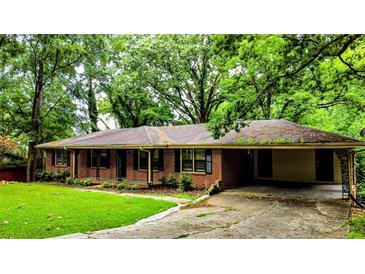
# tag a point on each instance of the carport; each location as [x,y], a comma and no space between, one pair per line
[291,170]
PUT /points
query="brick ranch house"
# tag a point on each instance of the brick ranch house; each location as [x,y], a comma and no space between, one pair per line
[265,150]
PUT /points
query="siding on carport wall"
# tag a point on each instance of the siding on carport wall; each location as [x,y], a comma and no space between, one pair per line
[297,165]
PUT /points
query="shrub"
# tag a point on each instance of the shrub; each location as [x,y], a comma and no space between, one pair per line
[106,185]
[128,187]
[169,182]
[53,176]
[185,182]
[70,181]
[86,182]
[121,185]
[134,187]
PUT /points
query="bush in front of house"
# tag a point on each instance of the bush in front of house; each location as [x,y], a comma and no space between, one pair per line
[106,185]
[120,185]
[134,187]
[170,182]
[53,176]
[185,182]
[70,181]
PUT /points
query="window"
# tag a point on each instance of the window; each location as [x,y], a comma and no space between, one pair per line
[196,160]
[104,158]
[155,159]
[264,162]
[199,160]
[143,159]
[187,159]
[61,157]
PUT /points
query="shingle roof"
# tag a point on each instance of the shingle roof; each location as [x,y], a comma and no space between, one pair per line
[257,133]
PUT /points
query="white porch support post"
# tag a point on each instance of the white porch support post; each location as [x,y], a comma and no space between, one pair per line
[149,170]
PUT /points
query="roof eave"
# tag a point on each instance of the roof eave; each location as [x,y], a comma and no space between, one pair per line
[232,146]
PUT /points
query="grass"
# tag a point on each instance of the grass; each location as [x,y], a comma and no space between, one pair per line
[357,227]
[41,211]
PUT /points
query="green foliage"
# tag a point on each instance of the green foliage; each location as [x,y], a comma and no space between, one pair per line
[134,187]
[185,182]
[357,227]
[120,186]
[291,77]
[170,182]
[53,176]
[70,181]
[106,185]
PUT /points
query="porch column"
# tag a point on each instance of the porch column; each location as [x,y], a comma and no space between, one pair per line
[347,172]
[76,163]
[150,155]
[97,169]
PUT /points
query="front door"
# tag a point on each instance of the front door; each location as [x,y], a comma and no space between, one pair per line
[121,163]
[324,165]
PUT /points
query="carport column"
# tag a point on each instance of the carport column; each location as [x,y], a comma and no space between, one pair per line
[346,170]
[352,173]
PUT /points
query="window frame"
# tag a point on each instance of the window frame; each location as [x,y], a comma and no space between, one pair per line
[194,169]
[91,158]
[62,164]
[154,167]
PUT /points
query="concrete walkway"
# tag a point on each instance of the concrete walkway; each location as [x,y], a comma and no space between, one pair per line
[155,197]
[291,191]
[233,215]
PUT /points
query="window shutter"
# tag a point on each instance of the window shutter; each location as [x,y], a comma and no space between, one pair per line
[53,157]
[160,159]
[135,159]
[68,157]
[177,160]
[208,161]
[107,161]
[88,158]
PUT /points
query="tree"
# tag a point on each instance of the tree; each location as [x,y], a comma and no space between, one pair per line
[93,74]
[39,75]
[133,105]
[267,76]
[178,69]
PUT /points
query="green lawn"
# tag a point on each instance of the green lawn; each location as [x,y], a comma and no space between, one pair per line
[357,227]
[41,211]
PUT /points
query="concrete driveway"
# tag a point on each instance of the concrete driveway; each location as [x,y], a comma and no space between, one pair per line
[239,215]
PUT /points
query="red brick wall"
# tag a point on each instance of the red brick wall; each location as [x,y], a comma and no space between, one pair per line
[52,168]
[200,180]
[233,168]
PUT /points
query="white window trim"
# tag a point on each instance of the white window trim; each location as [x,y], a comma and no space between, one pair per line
[193,171]
[55,159]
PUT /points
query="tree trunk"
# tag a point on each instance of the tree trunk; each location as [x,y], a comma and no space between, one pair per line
[35,124]
[92,107]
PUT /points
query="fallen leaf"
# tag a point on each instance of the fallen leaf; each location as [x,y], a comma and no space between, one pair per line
[5,222]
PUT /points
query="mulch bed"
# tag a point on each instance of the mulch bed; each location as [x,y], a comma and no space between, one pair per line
[153,190]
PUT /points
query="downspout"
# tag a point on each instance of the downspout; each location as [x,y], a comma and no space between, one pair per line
[149,163]
[73,163]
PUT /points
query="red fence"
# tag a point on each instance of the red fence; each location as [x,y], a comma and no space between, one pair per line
[17,173]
